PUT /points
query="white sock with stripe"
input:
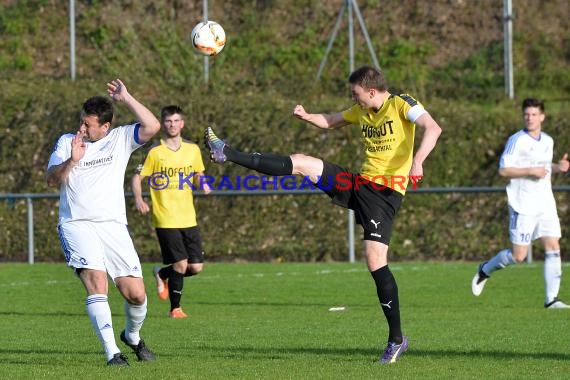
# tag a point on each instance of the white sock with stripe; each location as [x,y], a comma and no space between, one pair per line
[100,315]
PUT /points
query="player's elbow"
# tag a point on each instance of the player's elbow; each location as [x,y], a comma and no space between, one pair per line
[52,182]
[436,130]
[433,128]
[503,172]
[51,179]
[153,128]
[148,130]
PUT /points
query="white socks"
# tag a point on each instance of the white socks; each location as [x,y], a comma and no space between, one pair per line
[135,318]
[552,274]
[499,261]
[552,270]
[100,315]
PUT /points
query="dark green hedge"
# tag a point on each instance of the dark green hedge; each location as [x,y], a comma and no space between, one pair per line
[446,53]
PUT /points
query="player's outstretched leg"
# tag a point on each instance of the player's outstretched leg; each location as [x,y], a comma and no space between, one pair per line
[215,145]
[266,163]
[501,260]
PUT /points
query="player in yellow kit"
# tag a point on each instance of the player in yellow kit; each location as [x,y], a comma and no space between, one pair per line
[173,167]
[387,123]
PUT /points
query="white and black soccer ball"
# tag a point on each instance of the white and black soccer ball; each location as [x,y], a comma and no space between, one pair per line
[208,38]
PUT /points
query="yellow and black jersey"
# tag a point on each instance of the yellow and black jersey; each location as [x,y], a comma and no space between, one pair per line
[170,175]
[388,139]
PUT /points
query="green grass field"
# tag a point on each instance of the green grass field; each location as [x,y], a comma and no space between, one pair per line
[272,321]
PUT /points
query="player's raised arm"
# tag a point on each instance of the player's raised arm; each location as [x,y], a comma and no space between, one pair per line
[320,120]
[149,123]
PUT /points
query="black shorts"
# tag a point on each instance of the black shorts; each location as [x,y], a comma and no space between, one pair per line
[374,208]
[177,244]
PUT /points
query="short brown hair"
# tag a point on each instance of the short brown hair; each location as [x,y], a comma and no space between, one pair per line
[170,110]
[369,77]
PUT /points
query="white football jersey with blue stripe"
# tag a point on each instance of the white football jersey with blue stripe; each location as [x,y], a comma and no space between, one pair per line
[529,195]
[94,188]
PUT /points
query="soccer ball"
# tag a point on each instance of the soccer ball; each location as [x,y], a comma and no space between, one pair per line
[208,38]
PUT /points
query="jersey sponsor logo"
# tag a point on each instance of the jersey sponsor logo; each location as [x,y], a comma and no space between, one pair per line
[171,172]
[378,148]
[96,162]
[369,131]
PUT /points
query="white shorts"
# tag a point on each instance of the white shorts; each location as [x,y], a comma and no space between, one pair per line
[523,229]
[104,246]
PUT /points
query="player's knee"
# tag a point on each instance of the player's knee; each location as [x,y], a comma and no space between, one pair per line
[306,165]
[137,298]
[299,163]
[519,260]
[196,268]
[134,293]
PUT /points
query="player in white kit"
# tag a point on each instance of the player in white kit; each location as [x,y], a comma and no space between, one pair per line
[527,162]
[89,168]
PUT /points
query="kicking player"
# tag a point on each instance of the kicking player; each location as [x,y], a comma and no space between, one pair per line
[387,123]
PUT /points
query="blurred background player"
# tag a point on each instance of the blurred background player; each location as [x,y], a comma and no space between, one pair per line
[89,168]
[387,123]
[527,162]
[177,165]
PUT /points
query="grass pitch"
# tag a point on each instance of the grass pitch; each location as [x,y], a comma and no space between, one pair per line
[272,321]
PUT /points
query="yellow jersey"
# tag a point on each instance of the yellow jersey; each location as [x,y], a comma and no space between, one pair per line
[170,177]
[388,139]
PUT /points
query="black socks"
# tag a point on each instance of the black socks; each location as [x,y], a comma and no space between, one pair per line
[387,291]
[175,285]
[266,163]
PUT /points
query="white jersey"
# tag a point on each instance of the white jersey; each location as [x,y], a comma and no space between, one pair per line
[529,195]
[94,188]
